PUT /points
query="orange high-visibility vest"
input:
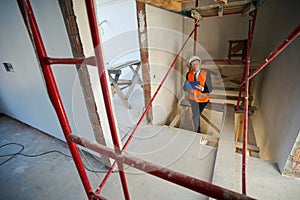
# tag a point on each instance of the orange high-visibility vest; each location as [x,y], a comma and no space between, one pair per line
[197,95]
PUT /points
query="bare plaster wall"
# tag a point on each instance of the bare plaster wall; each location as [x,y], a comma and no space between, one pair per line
[165,38]
[166,34]
[277,93]
[23,94]
[214,33]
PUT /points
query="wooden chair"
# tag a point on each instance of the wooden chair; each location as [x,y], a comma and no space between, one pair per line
[237,48]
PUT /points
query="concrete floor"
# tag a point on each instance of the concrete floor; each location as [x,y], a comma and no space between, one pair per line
[53,176]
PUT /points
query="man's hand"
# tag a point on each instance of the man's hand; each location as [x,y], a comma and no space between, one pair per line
[199,87]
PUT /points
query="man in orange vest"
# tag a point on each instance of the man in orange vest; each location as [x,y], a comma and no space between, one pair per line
[198,85]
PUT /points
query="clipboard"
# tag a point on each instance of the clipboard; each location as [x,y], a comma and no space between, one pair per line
[191,85]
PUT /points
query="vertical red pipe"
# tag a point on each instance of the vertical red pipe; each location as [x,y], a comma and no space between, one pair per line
[105,88]
[53,92]
[196,31]
[246,102]
[244,73]
[294,34]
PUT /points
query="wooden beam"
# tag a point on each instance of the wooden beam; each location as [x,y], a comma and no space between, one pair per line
[173,5]
[196,15]
[249,147]
[175,122]
[248,9]
[221,1]
[226,88]
[208,121]
[116,89]
[238,134]
[233,80]
[220,96]
[227,78]
[226,66]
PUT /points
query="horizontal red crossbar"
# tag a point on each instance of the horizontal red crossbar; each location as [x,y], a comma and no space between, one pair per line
[186,181]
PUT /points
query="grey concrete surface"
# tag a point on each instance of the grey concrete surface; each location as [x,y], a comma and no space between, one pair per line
[53,176]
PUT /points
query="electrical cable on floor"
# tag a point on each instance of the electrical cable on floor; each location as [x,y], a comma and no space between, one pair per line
[84,156]
[41,154]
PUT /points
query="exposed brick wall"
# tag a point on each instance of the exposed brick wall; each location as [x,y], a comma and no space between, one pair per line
[77,50]
[292,166]
[142,26]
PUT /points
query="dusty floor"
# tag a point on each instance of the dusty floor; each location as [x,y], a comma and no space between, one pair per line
[52,175]
[49,176]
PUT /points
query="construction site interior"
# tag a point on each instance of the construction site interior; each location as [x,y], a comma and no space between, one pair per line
[92,104]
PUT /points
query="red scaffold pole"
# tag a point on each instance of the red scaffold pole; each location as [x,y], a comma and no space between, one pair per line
[73,61]
[294,34]
[196,31]
[52,89]
[246,101]
[222,60]
[172,176]
[144,113]
[105,89]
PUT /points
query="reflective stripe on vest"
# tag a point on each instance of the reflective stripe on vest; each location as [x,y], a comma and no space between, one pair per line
[197,95]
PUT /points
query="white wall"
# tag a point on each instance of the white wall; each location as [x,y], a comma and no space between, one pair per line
[276,123]
[214,33]
[118,30]
[23,93]
[119,43]
[165,38]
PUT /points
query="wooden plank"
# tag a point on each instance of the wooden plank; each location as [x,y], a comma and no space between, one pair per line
[238,47]
[119,93]
[208,121]
[178,117]
[227,78]
[124,64]
[226,88]
[239,131]
[251,140]
[249,147]
[124,82]
[136,79]
[221,1]
[220,96]
[234,7]
[248,9]
[167,4]
[233,81]
[210,106]
[226,66]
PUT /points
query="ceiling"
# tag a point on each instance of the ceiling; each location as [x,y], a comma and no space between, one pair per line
[208,8]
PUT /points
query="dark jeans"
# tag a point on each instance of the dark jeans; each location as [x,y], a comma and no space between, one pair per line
[197,108]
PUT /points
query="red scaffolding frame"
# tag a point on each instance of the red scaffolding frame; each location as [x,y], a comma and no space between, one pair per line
[191,183]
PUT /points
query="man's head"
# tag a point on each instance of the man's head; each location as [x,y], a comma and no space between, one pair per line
[195,63]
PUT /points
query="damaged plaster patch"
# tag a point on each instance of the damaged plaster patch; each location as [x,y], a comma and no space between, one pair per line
[142,21]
